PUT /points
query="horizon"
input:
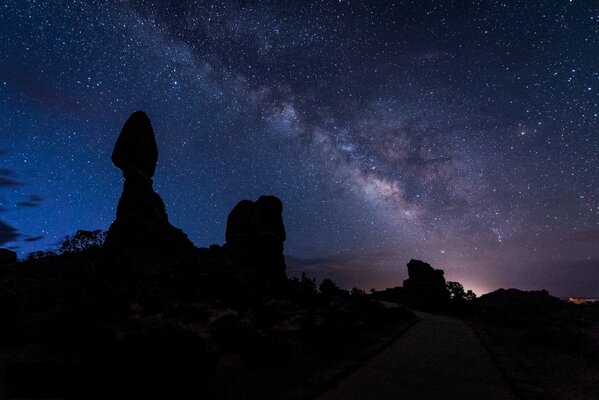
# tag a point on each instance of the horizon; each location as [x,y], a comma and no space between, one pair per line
[465,136]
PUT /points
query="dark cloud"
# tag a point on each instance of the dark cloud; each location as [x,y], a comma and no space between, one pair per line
[8,177]
[7,171]
[7,233]
[33,238]
[380,269]
[33,201]
[9,182]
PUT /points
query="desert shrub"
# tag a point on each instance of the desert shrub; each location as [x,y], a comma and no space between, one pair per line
[236,335]
[303,289]
[162,359]
[333,335]
[232,333]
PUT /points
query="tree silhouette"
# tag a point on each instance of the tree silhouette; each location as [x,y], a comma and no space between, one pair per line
[457,292]
[82,240]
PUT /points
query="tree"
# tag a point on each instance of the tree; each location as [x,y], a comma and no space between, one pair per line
[456,290]
[328,287]
[470,295]
[82,240]
[357,292]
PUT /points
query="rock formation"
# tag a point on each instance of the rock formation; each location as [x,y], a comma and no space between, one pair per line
[141,224]
[425,286]
[255,236]
[519,307]
[7,257]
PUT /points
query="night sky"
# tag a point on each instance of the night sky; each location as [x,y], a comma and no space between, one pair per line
[462,133]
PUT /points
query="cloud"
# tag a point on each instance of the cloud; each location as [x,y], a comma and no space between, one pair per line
[33,238]
[8,233]
[7,171]
[380,269]
[33,201]
[8,178]
[8,182]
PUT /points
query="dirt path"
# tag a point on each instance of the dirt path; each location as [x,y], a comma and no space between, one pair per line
[438,358]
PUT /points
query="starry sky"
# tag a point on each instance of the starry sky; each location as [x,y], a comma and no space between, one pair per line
[462,133]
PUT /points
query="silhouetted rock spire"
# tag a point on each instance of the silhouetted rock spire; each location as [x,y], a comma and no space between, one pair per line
[426,285]
[141,223]
[255,236]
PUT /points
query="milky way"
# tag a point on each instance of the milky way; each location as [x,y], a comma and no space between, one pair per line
[465,134]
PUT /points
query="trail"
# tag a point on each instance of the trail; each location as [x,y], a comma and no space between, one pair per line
[438,358]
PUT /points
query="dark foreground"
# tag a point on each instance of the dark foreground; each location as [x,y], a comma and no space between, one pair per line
[438,358]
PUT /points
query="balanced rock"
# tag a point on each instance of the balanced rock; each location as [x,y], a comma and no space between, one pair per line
[141,224]
[135,149]
[426,286]
[255,236]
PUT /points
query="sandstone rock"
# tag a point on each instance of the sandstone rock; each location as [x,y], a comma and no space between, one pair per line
[135,148]
[141,224]
[255,236]
[426,286]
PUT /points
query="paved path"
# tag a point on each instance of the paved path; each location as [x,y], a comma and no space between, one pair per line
[438,358]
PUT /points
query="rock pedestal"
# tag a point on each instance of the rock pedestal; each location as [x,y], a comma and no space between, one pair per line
[141,226]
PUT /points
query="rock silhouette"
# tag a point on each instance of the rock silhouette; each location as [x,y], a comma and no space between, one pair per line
[255,236]
[135,148]
[425,286]
[519,307]
[141,223]
[7,257]
[147,314]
